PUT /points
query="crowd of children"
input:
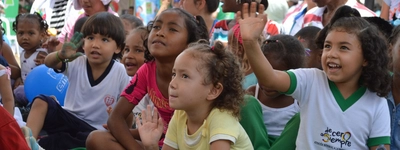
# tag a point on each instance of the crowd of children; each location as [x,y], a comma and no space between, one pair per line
[190,81]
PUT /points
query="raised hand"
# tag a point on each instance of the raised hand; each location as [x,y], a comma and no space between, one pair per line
[69,49]
[40,58]
[51,44]
[151,127]
[251,23]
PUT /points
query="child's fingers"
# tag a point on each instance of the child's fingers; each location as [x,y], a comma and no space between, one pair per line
[238,16]
[144,116]
[261,8]
[66,38]
[79,44]
[160,124]
[253,8]
[155,115]
[245,10]
[148,114]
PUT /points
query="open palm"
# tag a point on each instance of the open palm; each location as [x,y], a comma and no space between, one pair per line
[251,23]
[69,49]
[150,128]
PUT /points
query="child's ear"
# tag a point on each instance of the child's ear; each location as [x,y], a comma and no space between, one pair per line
[118,50]
[201,4]
[215,92]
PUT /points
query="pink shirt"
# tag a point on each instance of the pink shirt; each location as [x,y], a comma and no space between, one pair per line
[144,82]
[68,28]
[314,16]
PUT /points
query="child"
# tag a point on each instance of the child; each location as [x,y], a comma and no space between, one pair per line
[170,34]
[393,97]
[202,8]
[222,27]
[350,87]
[284,52]
[130,22]
[31,30]
[293,21]
[95,82]
[207,113]
[307,36]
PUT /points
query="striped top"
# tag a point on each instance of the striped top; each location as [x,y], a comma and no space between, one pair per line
[58,18]
[314,16]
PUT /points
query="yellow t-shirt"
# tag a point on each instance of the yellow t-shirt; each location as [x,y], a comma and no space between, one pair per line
[219,125]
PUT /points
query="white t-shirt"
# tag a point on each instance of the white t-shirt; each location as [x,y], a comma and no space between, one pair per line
[27,64]
[89,101]
[275,119]
[328,121]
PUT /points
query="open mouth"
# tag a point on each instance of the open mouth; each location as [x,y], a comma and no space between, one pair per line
[130,65]
[334,66]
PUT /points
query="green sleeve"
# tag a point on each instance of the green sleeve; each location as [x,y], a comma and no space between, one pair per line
[252,122]
[287,140]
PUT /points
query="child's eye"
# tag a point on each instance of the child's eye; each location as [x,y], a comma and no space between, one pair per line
[126,50]
[156,27]
[89,38]
[185,76]
[344,47]
[327,46]
[173,74]
[172,29]
[105,40]
[139,51]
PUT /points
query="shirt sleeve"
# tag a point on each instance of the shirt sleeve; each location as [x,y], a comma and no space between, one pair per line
[137,87]
[380,132]
[223,123]
[301,82]
[388,2]
[171,136]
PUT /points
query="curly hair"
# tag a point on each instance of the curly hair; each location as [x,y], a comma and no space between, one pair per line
[375,76]
[222,67]
[42,23]
[287,49]
[196,28]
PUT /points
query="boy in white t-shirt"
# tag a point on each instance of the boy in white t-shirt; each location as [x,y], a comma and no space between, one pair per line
[95,82]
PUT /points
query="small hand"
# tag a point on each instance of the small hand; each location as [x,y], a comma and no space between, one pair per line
[40,58]
[69,49]
[151,127]
[165,2]
[251,23]
[51,44]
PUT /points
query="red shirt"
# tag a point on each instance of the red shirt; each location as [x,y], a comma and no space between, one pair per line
[11,136]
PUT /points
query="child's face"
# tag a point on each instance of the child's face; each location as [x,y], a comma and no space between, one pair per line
[190,6]
[92,6]
[342,57]
[99,49]
[277,65]
[168,37]
[29,35]
[133,54]
[187,90]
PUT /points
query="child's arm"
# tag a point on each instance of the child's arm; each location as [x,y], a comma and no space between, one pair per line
[164,6]
[117,124]
[220,145]
[68,52]
[251,26]
[385,11]
[6,92]
[9,56]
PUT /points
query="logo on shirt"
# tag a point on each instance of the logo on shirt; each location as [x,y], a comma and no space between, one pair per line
[109,100]
[331,136]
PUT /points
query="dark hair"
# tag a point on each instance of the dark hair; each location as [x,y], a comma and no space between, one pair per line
[42,23]
[287,49]
[77,28]
[145,35]
[195,26]
[264,2]
[135,22]
[106,24]
[384,26]
[221,67]
[375,76]
[212,5]
[309,34]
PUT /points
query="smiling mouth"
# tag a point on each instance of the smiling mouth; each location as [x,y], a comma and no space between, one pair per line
[333,66]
